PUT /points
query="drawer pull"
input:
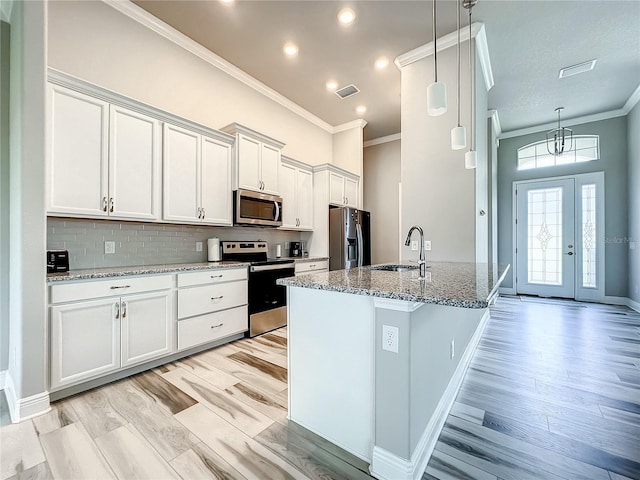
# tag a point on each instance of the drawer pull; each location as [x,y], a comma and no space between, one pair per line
[217,326]
[312,265]
[217,298]
[122,286]
[216,276]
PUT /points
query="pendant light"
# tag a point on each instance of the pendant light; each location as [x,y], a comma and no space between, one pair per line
[558,137]
[437,91]
[471,157]
[459,133]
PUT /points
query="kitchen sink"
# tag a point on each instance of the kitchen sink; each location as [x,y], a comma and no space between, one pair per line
[395,268]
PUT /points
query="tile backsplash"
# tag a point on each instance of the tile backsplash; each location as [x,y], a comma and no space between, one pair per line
[146,243]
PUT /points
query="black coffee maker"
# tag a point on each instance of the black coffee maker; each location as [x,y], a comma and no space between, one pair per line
[295,249]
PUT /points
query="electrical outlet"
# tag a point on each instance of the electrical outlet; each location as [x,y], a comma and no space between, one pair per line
[109,247]
[427,245]
[452,349]
[390,338]
[198,246]
[414,245]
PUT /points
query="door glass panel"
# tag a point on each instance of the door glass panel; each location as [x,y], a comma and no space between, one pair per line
[589,236]
[544,239]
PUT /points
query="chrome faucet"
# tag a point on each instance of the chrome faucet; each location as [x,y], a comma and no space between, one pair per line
[422,264]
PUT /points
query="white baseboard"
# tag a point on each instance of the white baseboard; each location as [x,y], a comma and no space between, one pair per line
[388,466]
[506,290]
[634,305]
[610,300]
[25,408]
[3,379]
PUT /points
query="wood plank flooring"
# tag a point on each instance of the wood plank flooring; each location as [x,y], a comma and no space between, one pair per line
[553,392]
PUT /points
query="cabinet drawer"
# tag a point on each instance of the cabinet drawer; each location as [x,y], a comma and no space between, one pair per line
[211,276]
[70,292]
[211,298]
[308,267]
[213,326]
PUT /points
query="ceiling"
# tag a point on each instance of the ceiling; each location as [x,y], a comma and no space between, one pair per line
[529,41]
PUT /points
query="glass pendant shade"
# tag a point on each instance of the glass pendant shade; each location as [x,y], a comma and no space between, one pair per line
[436,99]
[458,138]
[470,159]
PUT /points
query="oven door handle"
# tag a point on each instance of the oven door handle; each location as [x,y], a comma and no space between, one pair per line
[264,268]
[277,216]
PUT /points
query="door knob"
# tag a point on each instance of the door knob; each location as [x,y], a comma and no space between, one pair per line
[570,253]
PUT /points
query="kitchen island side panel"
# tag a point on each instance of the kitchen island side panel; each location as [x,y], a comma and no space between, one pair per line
[331,365]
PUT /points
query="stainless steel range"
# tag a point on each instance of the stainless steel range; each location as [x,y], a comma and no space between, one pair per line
[267,301]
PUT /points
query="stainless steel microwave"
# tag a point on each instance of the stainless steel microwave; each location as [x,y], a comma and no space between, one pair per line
[253,208]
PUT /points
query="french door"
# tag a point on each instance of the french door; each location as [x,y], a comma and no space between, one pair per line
[560,237]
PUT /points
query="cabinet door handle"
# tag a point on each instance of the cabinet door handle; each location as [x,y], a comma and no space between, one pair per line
[115,287]
[111,204]
[313,265]
[217,326]
[117,305]
[216,276]
[124,309]
[217,298]
[104,204]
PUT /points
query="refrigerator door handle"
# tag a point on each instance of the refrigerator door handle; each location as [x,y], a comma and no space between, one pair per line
[360,241]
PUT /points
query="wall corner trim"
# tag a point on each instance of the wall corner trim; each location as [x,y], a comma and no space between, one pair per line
[450,40]
[144,18]
[6,6]
[381,140]
[25,408]
[388,466]
[495,119]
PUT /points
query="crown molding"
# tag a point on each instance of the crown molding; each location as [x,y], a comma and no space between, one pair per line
[633,100]
[381,140]
[143,17]
[6,6]
[450,40]
[235,128]
[360,123]
[495,119]
[569,122]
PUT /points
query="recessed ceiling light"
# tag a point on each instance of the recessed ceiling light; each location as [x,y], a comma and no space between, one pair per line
[331,85]
[227,2]
[382,63]
[290,49]
[576,69]
[360,109]
[346,16]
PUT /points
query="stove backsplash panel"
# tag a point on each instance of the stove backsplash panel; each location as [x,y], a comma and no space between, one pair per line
[147,243]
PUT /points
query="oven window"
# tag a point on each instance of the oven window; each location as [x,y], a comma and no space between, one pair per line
[264,294]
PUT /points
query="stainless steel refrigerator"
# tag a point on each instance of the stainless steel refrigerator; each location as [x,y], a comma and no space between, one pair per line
[349,238]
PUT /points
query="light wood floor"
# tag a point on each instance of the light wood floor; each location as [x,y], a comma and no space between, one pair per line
[553,391]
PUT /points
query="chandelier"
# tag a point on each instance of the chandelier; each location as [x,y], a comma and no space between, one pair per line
[559,139]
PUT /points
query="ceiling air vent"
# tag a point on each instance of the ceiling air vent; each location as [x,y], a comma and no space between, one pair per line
[576,69]
[347,91]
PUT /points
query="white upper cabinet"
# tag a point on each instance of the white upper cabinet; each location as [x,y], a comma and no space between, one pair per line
[134,165]
[343,189]
[104,160]
[77,166]
[197,178]
[296,189]
[257,160]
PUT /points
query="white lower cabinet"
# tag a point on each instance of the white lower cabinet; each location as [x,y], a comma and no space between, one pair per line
[312,266]
[91,337]
[211,306]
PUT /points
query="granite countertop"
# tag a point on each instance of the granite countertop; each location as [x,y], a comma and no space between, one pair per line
[467,285]
[94,273]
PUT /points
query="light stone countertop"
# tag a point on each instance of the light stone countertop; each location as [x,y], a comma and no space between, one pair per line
[467,285]
[95,273]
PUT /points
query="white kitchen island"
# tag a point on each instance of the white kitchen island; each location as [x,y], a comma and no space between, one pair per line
[383,406]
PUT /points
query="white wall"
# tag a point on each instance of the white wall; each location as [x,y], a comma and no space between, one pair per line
[381,197]
[93,41]
[633,137]
[4,196]
[438,193]
[26,376]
